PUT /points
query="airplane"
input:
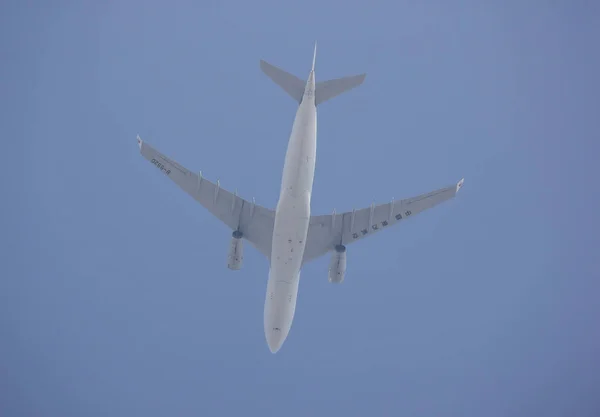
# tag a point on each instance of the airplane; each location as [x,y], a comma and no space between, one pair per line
[289,236]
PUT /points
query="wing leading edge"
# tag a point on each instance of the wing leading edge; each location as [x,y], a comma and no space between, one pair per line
[327,231]
[255,222]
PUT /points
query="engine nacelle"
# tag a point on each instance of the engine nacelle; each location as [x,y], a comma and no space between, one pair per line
[337,267]
[236,251]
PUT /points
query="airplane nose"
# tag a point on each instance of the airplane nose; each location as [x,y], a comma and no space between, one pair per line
[275,339]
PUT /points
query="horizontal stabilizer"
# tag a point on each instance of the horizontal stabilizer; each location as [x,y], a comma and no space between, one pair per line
[291,84]
[328,89]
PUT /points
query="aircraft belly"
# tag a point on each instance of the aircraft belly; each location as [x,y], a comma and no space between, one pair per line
[280,306]
[289,235]
[299,166]
[292,217]
[289,241]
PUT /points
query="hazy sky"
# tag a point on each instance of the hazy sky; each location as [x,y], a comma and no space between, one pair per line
[115,299]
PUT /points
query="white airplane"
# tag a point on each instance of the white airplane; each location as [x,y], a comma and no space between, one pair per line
[289,236]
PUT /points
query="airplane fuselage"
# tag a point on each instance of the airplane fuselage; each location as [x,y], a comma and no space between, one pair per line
[291,221]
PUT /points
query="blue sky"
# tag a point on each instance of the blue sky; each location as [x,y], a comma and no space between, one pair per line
[115,298]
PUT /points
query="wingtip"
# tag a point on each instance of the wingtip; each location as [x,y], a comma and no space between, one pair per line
[139,141]
[460,184]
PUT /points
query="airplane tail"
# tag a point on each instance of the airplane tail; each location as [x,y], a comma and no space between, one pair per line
[324,90]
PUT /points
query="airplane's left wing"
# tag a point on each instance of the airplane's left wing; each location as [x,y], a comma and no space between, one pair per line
[327,231]
[255,222]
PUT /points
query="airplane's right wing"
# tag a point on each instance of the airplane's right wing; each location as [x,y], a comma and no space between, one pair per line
[327,231]
[255,222]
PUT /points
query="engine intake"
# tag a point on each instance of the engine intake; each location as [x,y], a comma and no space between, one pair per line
[337,267]
[235,256]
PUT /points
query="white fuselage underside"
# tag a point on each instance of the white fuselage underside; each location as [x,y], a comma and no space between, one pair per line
[291,222]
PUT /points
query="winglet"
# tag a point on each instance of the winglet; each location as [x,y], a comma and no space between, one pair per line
[459,184]
[314,56]
[139,141]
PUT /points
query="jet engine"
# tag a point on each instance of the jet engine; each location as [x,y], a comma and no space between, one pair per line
[236,251]
[337,267]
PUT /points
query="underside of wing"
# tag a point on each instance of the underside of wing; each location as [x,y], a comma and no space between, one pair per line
[253,221]
[327,231]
